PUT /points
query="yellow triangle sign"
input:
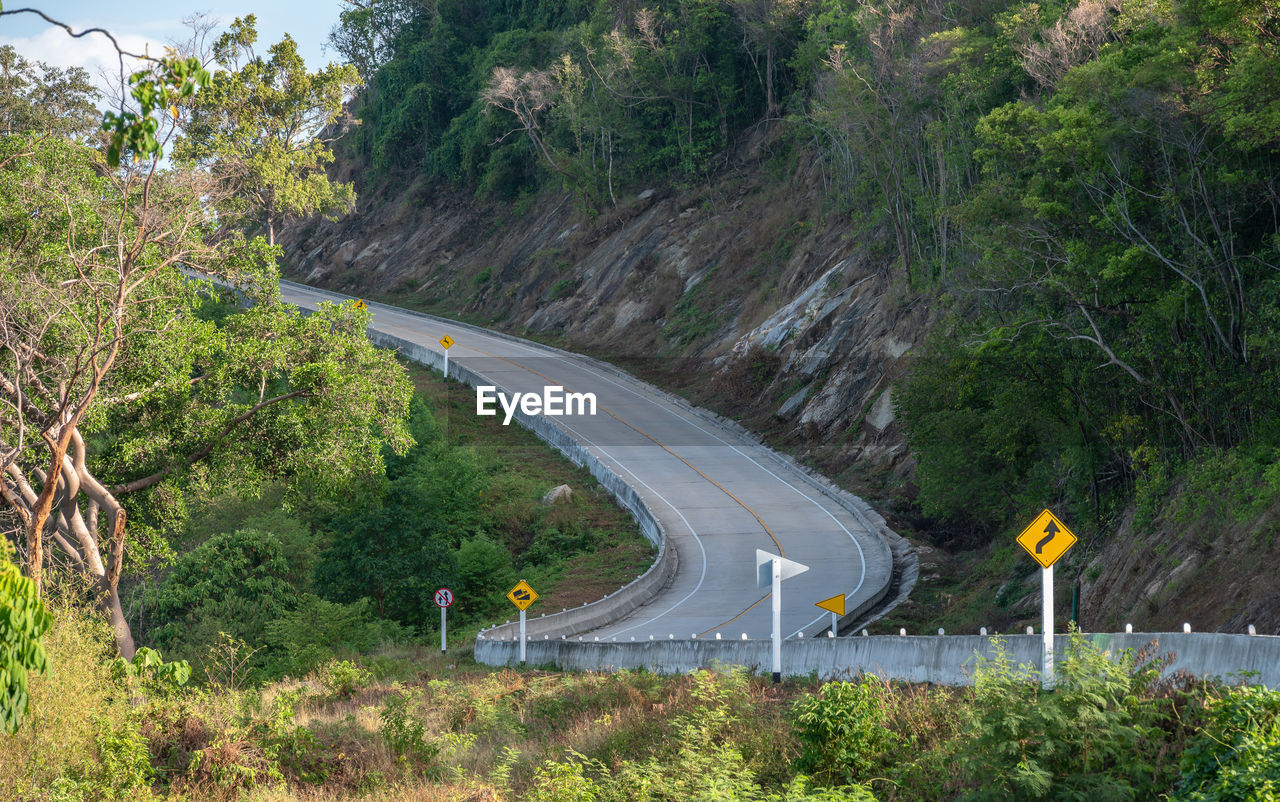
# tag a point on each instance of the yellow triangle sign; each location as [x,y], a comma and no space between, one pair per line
[835,604]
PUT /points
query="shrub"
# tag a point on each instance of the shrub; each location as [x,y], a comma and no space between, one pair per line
[1237,754]
[233,583]
[1094,736]
[843,731]
[317,630]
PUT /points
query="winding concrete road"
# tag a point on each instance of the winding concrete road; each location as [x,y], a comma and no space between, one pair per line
[719,494]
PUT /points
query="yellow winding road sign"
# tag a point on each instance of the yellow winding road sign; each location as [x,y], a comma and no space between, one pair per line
[1046,539]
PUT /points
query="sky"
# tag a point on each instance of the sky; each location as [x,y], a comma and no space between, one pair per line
[148,25]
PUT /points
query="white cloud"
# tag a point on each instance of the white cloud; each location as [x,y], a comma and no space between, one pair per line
[92,52]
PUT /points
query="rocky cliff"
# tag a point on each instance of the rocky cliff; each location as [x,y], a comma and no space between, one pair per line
[740,293]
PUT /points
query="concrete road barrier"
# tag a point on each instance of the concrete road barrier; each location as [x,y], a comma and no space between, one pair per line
[943,660]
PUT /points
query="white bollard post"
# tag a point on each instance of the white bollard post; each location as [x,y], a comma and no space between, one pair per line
[1128,629]
[902,632]
[1186,627]
[865,633]
[1252,631]
[982,631]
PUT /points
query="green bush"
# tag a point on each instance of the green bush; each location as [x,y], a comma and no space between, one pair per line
[1236,756]
[1095,736]
[843,731]
[316,631]
[233,583]
[403,731]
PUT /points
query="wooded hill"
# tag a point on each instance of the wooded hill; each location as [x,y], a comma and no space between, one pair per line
[1083,194]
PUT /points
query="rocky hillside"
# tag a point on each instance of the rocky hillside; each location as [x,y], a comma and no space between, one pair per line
[742,282]
[772,214]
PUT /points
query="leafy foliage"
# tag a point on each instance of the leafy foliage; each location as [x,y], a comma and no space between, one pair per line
[842,732]
[1096,734]
[258,125]
[38,98]
[233,583]
[1237,754]
[23,621]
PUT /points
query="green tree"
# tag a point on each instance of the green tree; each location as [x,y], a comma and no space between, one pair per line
[260,128]
[36,98]
[366,32]
[116,381]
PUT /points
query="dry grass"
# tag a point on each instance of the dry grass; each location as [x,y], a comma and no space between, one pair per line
[70,705]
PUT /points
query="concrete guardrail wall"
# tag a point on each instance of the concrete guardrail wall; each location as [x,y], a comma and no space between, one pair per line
[943,660]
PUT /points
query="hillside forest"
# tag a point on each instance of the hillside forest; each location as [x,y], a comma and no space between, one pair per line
[1085,191]
[225,519]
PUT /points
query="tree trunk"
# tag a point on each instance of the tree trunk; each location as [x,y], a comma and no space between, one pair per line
[770,104]
[110,604]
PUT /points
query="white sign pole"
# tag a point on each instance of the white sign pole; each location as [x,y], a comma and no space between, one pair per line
[1046,674]
[446,364]
[522,637]
[834,624]
[443,641]
[777,619]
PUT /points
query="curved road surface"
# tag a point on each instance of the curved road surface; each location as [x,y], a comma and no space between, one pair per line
[719,495]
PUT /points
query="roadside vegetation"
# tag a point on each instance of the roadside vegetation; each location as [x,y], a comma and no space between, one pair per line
[405,722]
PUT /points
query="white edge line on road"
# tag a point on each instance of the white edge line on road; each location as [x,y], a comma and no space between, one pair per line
[674,509]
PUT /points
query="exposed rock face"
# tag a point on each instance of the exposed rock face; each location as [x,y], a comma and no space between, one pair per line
[694,286]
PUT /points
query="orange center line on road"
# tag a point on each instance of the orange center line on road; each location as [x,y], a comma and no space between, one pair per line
[782,552]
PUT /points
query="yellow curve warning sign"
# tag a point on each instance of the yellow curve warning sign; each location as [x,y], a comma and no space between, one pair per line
[1046,539]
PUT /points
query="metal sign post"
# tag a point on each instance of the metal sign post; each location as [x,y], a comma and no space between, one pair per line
[447,342]
[1046,618]
[771,569]
[1046,539]
[444,598]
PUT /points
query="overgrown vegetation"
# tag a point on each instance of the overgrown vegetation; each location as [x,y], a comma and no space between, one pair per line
[404,722]
[288,586]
